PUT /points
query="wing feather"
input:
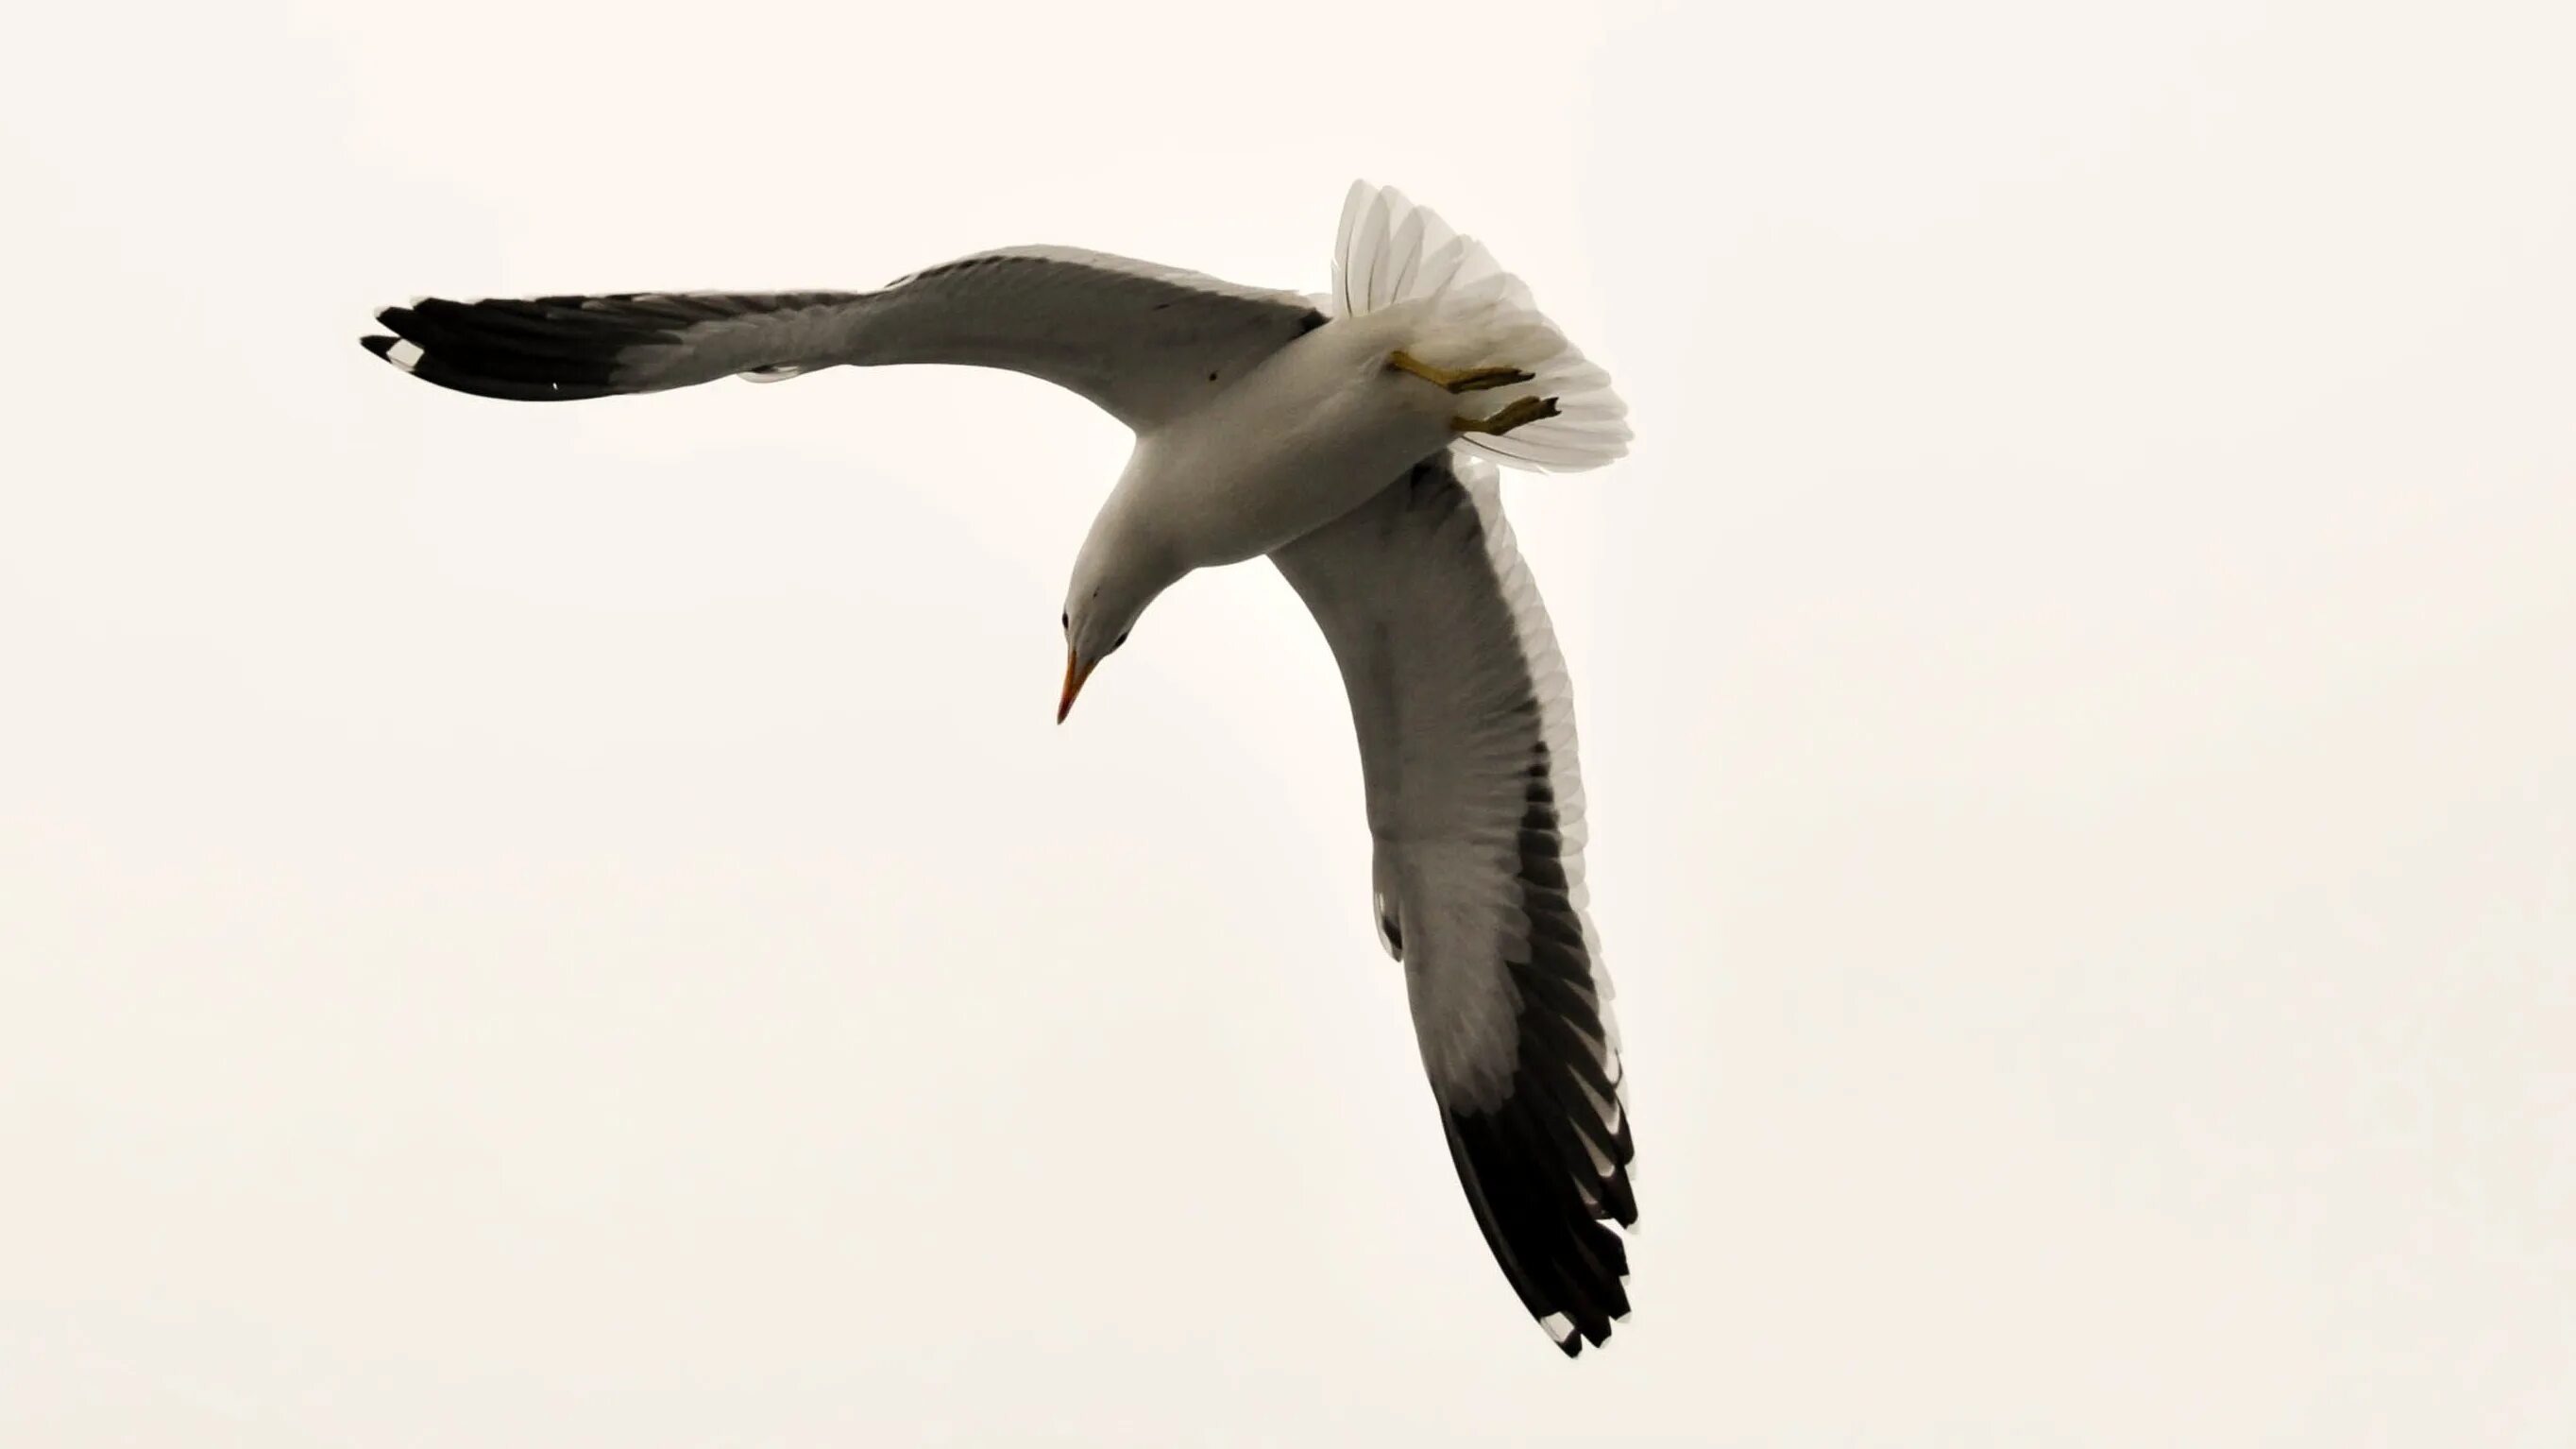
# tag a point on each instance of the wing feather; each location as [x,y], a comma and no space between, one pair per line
[1142,341]
[1467,748]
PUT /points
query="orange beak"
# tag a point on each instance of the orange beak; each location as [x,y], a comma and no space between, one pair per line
[1075,671]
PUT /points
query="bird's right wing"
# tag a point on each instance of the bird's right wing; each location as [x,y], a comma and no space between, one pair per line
[1467,750]
[1141,341]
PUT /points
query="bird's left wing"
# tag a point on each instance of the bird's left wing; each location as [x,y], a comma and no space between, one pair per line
[1142,341]
[1467,749]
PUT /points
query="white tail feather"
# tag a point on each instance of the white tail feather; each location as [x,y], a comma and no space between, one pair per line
[1391,251]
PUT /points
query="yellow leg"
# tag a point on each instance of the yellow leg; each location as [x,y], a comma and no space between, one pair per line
[1473,379]
[1519,412]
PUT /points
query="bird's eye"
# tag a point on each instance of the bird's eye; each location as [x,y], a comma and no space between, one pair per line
[1065,619]
[1122,639]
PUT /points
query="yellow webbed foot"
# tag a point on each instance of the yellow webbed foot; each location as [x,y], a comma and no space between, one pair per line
[1519,413]
[1472,379]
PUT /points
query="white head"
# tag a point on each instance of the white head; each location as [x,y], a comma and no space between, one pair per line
[1119,571]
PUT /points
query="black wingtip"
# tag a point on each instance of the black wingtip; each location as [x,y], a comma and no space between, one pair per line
[1568,1266]
[516,351]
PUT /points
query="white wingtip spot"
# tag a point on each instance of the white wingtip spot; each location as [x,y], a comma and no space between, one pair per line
[404,355]
[1558,1326]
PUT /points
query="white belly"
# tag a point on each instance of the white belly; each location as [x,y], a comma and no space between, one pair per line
[1317,429]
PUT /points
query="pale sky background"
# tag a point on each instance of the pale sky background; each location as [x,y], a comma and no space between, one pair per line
[574,926]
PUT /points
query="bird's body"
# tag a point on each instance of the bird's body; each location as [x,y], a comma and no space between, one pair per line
[1351,439]
[1303,438]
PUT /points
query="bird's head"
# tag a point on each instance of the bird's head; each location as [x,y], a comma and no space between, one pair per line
[1112,584]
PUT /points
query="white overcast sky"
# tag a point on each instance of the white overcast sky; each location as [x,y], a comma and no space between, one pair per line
[573,926]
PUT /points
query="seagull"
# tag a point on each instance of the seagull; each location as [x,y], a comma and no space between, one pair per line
[1352,438]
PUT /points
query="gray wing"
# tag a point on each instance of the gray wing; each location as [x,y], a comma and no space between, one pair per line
[1467,749]
[1142,341]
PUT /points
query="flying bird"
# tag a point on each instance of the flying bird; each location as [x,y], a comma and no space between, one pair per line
[1352,438]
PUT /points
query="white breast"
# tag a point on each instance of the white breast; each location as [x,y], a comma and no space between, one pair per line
[1308,435]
